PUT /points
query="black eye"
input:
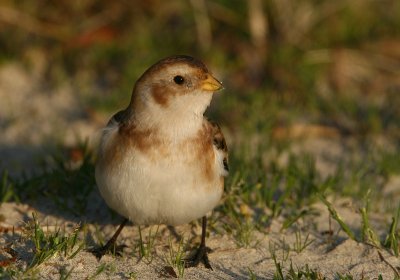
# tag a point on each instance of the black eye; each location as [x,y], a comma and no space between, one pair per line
[179,80]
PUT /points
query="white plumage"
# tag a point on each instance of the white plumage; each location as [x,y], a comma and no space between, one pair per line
[160,161]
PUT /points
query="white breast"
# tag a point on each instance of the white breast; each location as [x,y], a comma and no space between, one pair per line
[166,190]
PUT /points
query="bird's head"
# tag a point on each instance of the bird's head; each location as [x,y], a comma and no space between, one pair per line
[178,86]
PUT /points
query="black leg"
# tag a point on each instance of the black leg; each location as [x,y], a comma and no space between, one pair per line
[201,253]
[100,252]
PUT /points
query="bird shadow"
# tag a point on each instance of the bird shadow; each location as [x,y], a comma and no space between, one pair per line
[54,182]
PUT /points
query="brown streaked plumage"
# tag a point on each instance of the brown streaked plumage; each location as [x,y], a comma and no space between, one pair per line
[160,161]
[220,143]
[205,153]
[173,60]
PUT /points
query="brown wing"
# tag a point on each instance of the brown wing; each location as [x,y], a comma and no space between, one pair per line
[120,117]
[220,144]
[117,118]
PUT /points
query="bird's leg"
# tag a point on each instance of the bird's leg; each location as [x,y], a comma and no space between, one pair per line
[100,252]
[201,253]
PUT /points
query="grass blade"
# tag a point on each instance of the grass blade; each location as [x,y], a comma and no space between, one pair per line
[336,217]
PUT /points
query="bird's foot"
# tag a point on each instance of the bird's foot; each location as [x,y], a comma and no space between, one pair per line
[201,255]
[101,251]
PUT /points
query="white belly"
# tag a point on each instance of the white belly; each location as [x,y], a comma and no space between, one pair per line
[163,191]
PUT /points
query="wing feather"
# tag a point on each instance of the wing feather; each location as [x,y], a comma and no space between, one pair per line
[221,147]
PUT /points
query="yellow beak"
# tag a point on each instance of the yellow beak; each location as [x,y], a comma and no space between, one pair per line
[211,84]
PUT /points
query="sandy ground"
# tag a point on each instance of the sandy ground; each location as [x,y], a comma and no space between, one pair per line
[328,254]
[32,118]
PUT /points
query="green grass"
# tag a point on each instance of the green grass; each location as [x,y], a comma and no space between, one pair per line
[146,246]
[244,234]
[334,214]
[176,257]
[49,244]
[305,273]
[301,242]
[393,236]
[102,268]
[368,234]
[8,191]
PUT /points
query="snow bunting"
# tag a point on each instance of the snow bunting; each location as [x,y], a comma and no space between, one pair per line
[160,161]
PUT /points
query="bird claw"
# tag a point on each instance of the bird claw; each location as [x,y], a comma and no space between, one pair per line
[98,252]
[101,251]
[200,256]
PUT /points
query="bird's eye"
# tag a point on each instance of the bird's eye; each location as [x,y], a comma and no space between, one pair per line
[179,80]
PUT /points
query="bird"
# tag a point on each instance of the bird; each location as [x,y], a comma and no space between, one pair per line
[160,160]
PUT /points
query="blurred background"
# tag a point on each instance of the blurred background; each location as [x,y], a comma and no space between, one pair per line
[291,68]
